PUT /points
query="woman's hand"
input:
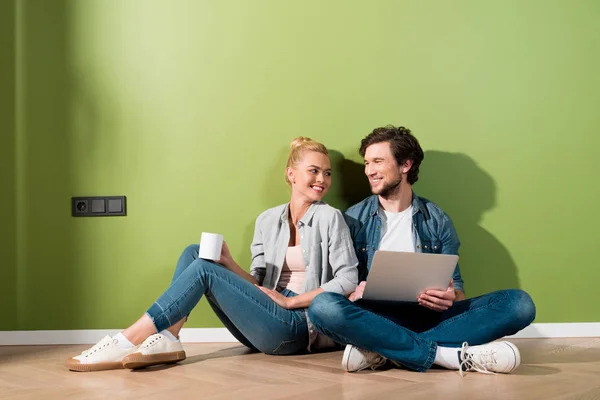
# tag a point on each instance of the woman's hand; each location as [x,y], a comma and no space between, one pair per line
[228,262]
[226,259]
[285,302]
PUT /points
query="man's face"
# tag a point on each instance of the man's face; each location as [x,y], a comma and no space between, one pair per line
[384,173]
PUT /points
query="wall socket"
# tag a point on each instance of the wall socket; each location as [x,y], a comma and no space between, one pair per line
[98,206]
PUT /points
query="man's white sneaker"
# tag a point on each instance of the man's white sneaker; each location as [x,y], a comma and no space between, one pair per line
[356,359]
[488,358]
[105,354]
[157,349]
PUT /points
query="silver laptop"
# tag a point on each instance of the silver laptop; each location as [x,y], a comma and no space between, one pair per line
[401,276]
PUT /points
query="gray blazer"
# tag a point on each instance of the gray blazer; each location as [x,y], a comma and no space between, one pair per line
[327,250]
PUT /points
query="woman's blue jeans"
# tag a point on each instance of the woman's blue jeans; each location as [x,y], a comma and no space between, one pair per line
[249,314]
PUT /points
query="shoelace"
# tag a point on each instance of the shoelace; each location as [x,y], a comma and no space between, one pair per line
[99,346]
[467,363]
[380,361]
[154,339]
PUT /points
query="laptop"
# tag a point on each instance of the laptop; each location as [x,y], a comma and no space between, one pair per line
[402,276]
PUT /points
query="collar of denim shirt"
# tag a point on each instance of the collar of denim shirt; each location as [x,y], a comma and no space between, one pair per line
[417,204]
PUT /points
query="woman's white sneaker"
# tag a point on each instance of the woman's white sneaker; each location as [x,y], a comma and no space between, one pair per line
[105,354]
[157,349]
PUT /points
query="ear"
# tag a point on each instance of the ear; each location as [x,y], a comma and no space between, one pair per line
[406,166]
[290,174]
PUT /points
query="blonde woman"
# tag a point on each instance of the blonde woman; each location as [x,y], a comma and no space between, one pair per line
[300,249]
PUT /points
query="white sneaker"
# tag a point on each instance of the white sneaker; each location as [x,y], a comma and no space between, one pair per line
[105,354]
[157,349]
[488,358]
[356,359]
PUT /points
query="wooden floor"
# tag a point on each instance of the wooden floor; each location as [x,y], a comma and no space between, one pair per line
[550,369]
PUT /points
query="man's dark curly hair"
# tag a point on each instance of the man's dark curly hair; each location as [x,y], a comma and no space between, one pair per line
[403,144]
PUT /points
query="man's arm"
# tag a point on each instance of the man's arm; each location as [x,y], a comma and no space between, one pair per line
[441,300]
[354,227]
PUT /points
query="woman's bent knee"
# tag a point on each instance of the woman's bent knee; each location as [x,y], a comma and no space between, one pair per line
[191,250]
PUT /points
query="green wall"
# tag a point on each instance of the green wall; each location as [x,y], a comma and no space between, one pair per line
[187,108]
[8,221]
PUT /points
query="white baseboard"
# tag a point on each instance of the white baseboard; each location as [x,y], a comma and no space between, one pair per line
[222,335]
[91,336]
[559,330]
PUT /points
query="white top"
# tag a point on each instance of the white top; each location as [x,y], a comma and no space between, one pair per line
[396,230]
[293,271]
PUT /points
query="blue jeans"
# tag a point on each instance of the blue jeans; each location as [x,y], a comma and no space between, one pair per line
[248,313]
[409,334]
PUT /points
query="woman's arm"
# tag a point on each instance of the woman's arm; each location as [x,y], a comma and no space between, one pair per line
[342,258]
[258,267]
[228,262]
[301,301]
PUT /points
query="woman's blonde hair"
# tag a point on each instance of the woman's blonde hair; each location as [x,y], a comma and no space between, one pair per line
[297,148]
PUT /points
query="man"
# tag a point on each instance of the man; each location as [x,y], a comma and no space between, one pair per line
[441,327]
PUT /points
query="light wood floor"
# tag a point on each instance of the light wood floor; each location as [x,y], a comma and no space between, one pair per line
[550,369]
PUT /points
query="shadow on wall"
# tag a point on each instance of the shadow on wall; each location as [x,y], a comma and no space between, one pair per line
[49,275]
[465,192]
[8,224]
[349,185]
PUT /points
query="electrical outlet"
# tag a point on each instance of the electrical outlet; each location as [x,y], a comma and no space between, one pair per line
[98,206]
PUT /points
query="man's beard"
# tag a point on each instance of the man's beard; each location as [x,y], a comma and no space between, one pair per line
[390,188]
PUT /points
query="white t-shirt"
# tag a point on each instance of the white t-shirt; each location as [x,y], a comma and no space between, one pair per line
[396,230]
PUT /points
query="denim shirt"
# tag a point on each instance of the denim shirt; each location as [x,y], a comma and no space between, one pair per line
[433,232]
[327,252]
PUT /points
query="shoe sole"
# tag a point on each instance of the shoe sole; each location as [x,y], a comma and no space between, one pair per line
[346,358]
[75,365]
[139,360]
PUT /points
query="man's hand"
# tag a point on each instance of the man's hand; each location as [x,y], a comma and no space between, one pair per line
[358,293]
[438,300]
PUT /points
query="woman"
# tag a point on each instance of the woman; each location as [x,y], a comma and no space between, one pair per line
[299,250]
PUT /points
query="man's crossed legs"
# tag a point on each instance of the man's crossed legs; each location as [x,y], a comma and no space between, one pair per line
[416,337]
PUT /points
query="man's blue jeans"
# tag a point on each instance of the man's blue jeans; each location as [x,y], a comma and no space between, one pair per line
[248,313]
[409,334]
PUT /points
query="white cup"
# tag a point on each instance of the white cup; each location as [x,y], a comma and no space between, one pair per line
[210,246]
